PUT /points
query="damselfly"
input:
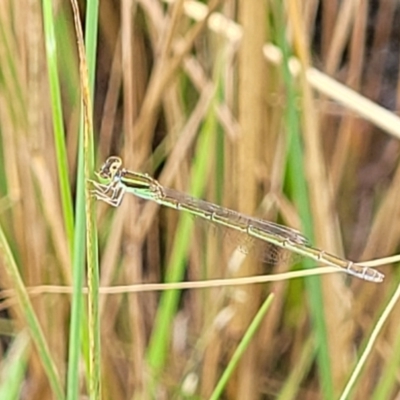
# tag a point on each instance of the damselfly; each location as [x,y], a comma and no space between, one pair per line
[116,181]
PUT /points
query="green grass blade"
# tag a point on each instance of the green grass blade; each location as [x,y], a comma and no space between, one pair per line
[14,368]
[91,232]
[57,115]
[244,343]
[87,339]
[30,317]
[78,329]
[388,377]
[159,341]
[297,185]
[384,387]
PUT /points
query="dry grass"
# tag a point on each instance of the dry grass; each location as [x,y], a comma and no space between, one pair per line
[288,115]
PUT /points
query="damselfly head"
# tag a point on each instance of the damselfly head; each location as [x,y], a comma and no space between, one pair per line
[110,168]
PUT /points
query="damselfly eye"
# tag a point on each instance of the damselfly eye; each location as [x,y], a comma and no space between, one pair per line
[110,168]
[114,167]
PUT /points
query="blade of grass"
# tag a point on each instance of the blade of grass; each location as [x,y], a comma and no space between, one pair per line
[244,343]
[159,341]
[76,239]
[58,123]
[297,185]
[388,377]
[30,317]
[86,169]
[14,367]
[369,347]
[78,327]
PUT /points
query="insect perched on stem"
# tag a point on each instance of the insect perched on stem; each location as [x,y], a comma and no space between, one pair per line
[116,181]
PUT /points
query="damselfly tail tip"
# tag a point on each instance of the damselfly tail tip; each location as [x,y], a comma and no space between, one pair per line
[366,273]
[380,277]
[373,275]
